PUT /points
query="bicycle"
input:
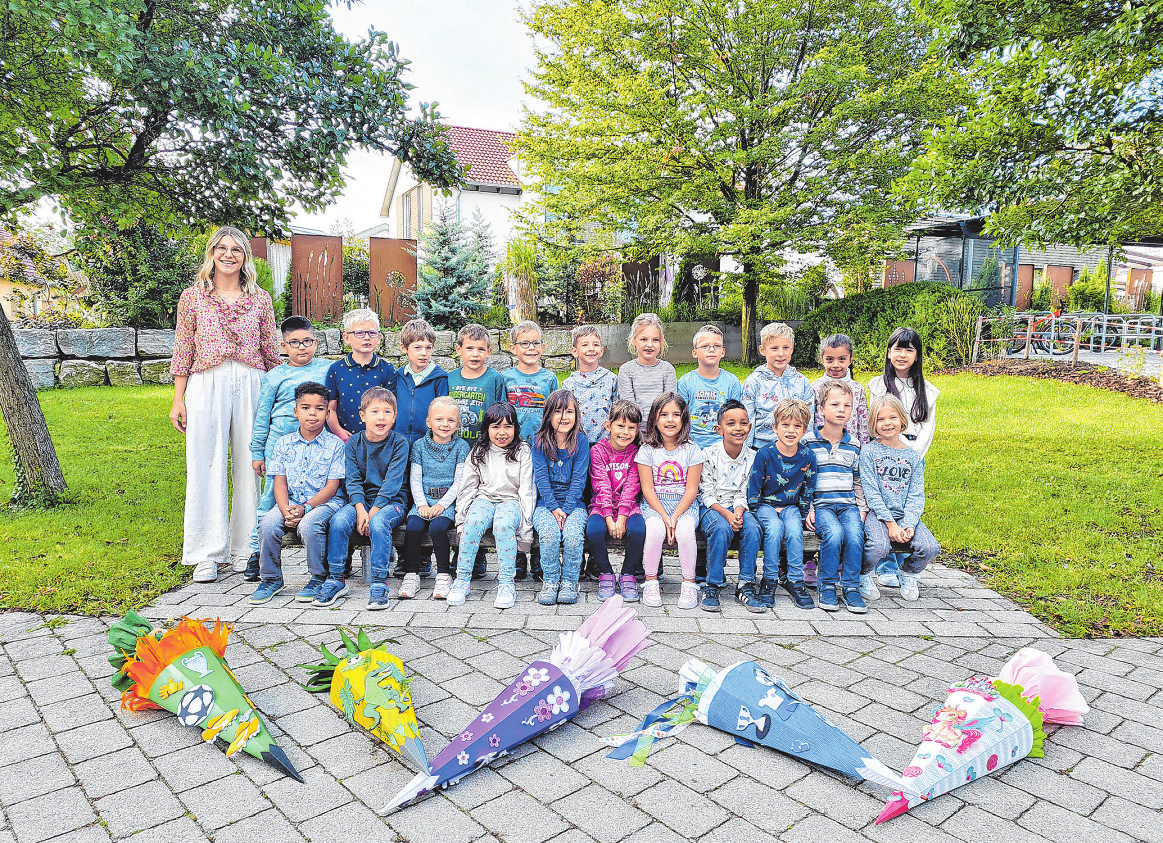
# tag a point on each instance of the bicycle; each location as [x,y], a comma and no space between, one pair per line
[1048,335]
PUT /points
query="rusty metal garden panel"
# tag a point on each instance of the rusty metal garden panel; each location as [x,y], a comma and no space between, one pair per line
[317,277]
[1061,277]
[1025,286]
[898,272]
[393,279]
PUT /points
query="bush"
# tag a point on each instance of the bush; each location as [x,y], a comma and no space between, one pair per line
[871,317]
[357,268]
[137,274]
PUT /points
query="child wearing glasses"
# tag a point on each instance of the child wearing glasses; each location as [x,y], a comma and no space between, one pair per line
[354,374]
[708,387]
[275,416]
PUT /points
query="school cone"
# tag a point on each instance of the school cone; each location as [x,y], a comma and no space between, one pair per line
[580,670]
[184,671]
[985,725]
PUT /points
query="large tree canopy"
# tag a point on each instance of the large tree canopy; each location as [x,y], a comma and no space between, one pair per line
[188,110]
[738,127]
[1063,138]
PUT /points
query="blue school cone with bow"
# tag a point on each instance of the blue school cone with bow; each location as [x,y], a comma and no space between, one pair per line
[747,702]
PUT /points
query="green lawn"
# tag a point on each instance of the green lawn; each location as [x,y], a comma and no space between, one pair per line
[1049,492]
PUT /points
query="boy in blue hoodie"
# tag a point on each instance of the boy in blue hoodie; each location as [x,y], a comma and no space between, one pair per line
[772,382]
[418,382]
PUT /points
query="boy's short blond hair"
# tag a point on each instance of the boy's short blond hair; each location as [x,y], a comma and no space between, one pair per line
[447,403]
[378,393]
[706,329]
[417,330]
[360,314]
[830,386]
[776,329]
[473,332]
[584,331]
[641,321]
[526,327]
[879,404]
[792,408]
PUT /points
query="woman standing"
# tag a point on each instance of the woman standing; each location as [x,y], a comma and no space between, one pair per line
[225,340]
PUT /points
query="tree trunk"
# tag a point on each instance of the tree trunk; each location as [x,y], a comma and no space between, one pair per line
[39,479]
[750,302]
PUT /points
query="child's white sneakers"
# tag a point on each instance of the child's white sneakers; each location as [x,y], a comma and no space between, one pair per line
[651,595]
[458,592]
[409,586]
[909,589]
[441,587]
[868,589]
[506,596]
[688,598]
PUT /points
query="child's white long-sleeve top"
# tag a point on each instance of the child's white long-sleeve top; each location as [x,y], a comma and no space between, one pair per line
[919,435]
[500,480]
[724,480]
[894,483]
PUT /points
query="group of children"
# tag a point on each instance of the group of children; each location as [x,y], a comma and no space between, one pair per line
[643,457]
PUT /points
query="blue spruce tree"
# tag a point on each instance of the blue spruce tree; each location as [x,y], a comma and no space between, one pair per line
[452,290]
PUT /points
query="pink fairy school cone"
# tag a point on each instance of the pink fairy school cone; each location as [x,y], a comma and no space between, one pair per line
[985,724]
[580,670]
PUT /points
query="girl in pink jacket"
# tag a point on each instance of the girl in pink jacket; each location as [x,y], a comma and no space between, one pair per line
[614,507]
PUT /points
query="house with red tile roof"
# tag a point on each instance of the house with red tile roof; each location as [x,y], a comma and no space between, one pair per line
[493,186]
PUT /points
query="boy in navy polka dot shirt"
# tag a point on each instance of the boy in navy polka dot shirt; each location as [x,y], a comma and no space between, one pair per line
[353,375]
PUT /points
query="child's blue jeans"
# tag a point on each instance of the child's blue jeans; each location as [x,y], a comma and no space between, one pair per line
[379,530]
[877,547]
[566,565]
[782,528]
[719,535]
[504,519]
[312,529]
[266,498]
[841,535]
[596,535]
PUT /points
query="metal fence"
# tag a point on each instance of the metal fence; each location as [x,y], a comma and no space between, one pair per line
[1066,334]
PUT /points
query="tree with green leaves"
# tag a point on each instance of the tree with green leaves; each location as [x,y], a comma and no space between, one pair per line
[187,113]
[730,127]
[1061,141]
[451,289]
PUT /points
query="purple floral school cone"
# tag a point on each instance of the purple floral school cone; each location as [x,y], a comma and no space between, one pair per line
[985,724]
[580,670]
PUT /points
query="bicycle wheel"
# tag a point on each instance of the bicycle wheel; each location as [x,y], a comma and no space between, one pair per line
[1061,342]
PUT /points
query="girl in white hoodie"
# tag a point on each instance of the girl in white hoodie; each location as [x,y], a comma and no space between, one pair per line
[497,493]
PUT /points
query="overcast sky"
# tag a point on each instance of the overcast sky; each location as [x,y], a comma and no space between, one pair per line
[467,55]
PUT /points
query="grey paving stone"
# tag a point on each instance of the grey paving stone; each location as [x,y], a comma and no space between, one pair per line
[997,797]
[299,802]
[1054,787]
[89,834]
[835,799]
[1139,735]
[163,735]
[1124,707]
[770,768]
[93,740]
[283,699]
[435,819]
[736,829]
[544,777]
[16,713]
[378,786]
[347,754]
[259,676]
[681,809]
[115,771]
[25,742]
[1136,820]
[482,786]
[56,688]
[568,742]
[519,818]
[267,827]
[138,808]
[313,725]
[474,688]
[34,777]
[345,824]
[194,766]
[1146,791]
[814,828]
[1110,748]
[224,801]
[79,711]
[45,666]
[692,767]
[1058,824]
[11,687]
[602,815]
[770,810]
[51,815]
[617,776]
[972,824]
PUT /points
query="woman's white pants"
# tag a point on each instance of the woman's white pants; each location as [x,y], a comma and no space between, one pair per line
[220,407]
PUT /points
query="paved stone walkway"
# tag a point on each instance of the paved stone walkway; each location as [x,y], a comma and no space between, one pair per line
[73,767]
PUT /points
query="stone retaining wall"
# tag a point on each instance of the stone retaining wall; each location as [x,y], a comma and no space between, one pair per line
[125,357]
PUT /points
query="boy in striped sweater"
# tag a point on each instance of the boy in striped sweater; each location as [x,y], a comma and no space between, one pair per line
[838,506]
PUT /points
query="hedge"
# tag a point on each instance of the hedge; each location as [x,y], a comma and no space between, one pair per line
[869,318]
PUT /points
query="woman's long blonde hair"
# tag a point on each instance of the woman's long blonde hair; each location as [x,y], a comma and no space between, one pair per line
[247,277]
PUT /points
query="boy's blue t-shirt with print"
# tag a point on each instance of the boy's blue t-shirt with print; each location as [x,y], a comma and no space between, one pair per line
[474,397]
[348,380]
[704,398]
[528,393]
